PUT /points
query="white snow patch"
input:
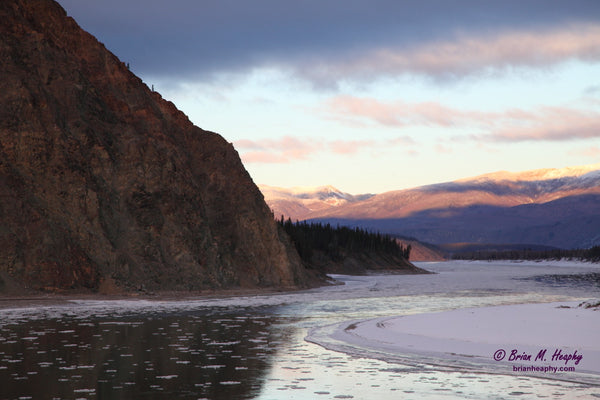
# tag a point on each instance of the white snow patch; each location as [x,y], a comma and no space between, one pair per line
[475,335]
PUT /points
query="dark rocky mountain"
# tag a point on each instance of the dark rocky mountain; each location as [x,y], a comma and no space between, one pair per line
[106,185]
[551,207]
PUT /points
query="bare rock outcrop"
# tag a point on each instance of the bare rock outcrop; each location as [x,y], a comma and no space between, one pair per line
[103,182]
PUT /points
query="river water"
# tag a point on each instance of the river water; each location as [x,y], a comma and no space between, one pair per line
[254,347]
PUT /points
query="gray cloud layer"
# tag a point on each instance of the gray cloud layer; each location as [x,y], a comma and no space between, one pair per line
[191,39]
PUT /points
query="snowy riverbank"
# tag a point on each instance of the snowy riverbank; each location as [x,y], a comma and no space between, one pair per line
[554,340]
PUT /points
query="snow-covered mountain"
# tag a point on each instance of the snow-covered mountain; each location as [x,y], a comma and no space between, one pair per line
[299,202]
[555,207]
[539,174]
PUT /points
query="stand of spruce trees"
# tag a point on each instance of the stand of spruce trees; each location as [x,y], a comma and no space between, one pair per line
[337,241]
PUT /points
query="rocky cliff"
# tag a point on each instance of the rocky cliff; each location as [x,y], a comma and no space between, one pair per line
[103,183]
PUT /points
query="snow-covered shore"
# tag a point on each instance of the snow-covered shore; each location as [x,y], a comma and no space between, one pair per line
[542,339]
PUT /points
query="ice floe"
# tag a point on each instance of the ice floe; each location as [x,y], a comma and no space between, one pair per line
[553,338]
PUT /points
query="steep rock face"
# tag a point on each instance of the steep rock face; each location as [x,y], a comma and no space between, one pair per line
[103,181]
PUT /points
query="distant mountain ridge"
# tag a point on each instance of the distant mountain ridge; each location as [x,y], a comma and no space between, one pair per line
[552,207]
[585,171]
[299,202]
[498,189]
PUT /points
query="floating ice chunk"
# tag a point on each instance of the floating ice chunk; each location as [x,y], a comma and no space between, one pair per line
[260,340]
[167,376]
[84,390]
[223,343]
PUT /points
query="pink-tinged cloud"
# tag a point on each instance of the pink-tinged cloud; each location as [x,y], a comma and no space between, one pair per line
[513,125]
[464,55]
[264,157]
[357,109]
[402,141]
[248,144]
[289,148]
[591,152]
[549,124]
[398,113]
[350,146]
[441,149]
[282,150]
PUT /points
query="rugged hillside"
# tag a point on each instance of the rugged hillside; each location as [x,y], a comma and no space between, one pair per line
[552,207]
[104,183]
[423,251]
[297,203]
[571,222]
[502,189]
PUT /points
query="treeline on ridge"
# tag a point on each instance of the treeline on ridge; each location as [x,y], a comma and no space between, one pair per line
[592,254]
[335,242]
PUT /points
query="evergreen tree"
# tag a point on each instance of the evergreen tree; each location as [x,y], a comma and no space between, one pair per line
[334,242]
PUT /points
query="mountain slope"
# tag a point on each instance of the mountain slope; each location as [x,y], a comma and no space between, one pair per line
[104,183]
[497,189]
[298,202]
[553,207]
[570,222]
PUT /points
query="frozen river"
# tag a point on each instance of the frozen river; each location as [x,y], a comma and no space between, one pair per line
[255,347]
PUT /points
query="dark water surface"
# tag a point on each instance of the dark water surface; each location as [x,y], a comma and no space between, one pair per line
[223,355]
[253,347]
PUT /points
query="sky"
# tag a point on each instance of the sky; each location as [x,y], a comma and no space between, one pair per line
[371,96]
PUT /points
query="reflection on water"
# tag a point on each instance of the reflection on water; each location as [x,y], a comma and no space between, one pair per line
[246,348]
[143,356]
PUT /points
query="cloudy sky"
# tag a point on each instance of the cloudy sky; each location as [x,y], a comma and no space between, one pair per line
[374,95]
